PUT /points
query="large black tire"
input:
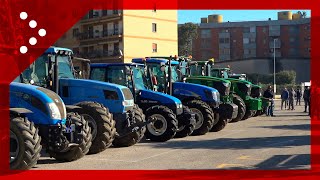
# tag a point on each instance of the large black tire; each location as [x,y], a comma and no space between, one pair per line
[134,137]
[83,148]
[241,107]
[204,116]
[102,125]
[248,114]
[221,124]
[25,142]
[184,129]
[166,125]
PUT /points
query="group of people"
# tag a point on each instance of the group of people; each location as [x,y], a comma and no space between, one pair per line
[287,98]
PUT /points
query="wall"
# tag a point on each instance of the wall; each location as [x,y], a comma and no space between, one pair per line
[265,66]
[138,36]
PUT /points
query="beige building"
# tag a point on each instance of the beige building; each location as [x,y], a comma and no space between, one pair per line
[120,35]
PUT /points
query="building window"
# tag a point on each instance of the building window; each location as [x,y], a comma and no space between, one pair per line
[154,27]
[245,40]
[224,51]
[205,33]
[224,40]
[264,30]
[75,32]
[154,47]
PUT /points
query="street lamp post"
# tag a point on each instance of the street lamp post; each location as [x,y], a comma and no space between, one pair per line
[274,65]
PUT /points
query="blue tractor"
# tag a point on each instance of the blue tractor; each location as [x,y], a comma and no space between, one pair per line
[170,117]
[202,100]
[38,118]
[94,100]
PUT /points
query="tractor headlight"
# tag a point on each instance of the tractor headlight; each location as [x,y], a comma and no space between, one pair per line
[226,84]
[216,96]
[54,111]
[179,105]
[127,103]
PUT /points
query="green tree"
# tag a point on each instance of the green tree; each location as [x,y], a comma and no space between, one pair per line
[186,33]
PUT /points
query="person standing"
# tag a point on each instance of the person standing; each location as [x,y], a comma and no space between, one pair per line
[284,98]
[298,95]
[306,98]
[269,94]
[291,99]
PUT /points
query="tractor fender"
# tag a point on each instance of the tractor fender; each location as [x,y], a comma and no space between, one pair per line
[72,107]
[20,111]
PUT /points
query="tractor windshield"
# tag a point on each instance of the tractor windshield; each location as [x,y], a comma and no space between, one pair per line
[196,70]
[65,67]
[37,72]
[141,81]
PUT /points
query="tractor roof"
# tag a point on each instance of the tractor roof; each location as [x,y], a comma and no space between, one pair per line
[54,50]
[103,65]
[153,60]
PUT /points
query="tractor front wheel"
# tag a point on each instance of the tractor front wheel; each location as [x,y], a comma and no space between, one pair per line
[241,107]
[25,144]
[203,114]
[102,125]
[83,147]
[133,137]
[164,125]
[186,123]
[221,124]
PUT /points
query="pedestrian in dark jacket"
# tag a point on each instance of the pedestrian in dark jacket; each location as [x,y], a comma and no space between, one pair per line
[284,98]
[306,98]
[298,95]
[291,98]
[269,94]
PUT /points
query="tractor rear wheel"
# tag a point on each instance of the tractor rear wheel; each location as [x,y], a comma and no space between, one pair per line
[164,126]
[25,144]
[102,125]
[241,107]
[133,137]
[204,116]
[83,147]
[186,123]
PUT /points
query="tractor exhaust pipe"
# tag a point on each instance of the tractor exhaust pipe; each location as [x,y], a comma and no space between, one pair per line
[56,75]
[169,77]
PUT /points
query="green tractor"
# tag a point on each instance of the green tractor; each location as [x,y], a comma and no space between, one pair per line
[228,108]
[240,87]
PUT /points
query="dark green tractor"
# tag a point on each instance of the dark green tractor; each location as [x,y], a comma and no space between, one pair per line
[240,86]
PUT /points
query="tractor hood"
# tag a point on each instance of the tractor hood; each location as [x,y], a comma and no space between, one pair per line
[198,91]
[159,97]
[117,98]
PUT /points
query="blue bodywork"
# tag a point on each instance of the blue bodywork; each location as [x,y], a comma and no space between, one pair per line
[186,91]
[79,90]
[145,97]
[73,91]
[34,99]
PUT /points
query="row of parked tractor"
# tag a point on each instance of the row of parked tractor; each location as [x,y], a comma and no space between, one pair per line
[158,98]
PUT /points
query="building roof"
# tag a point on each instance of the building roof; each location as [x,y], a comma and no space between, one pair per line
[255,23]
[102,65]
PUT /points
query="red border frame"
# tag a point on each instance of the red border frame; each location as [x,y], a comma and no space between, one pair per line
[15,32]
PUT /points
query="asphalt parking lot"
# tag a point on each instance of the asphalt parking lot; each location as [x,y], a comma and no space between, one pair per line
[281,142]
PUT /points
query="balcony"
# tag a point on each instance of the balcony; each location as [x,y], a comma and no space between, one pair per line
[277,44]
[278,54]
[274,33]
[100,35]
[101,54]
[95,18]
